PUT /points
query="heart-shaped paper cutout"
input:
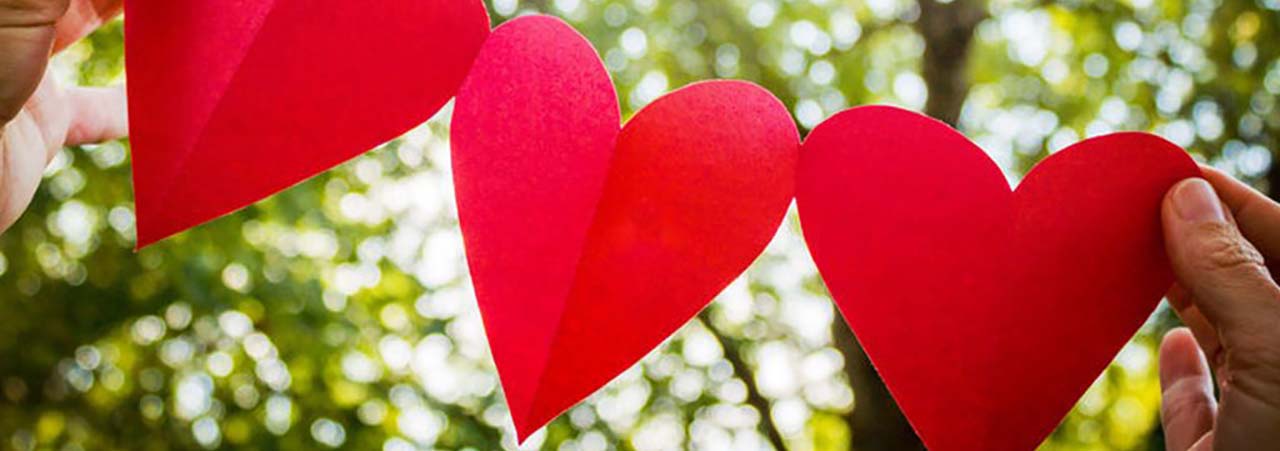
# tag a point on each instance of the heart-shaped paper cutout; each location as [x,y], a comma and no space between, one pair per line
[231,101]
[589,245]
[988,312]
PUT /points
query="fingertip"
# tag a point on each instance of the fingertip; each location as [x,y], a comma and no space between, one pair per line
[1167,209]
[1181,357]
[1184,204]
[1195,200]
[98,114]
[1229,186]
[1177,338]
[1177,232]
[1174,335]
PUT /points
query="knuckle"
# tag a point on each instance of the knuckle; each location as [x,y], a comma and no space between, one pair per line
[1225,250]
[1257,359]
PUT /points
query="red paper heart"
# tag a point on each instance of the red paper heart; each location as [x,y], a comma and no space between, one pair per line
[988,312]
[588,245]
[231,101]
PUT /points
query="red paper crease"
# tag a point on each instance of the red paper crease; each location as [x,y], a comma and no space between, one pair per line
[231,101]
[589,244]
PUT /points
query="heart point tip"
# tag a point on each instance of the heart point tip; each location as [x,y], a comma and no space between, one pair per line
[523,432]
[146,239]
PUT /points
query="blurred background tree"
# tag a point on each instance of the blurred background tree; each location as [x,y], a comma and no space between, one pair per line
[338,314]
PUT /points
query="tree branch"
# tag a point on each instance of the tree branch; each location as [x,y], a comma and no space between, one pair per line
[733,353]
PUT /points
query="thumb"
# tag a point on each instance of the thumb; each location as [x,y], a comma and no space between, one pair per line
[1225,274]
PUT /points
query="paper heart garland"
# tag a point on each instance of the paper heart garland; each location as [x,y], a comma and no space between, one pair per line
[231,101]
[589,245]
[988,312]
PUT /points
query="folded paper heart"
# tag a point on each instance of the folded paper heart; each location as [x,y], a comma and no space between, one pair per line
[589,244]
[988,312]
[231,101]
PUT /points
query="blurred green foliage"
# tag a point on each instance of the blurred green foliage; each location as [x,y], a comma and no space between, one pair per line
[337,314]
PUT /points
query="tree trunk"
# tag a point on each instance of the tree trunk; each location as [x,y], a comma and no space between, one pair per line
[876,423]
[947,29]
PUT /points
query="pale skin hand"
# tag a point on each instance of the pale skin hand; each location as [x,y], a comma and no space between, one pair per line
[37,116]
[1220,235]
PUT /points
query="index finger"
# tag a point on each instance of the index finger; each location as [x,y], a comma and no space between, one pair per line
[1257,216]
[84,16]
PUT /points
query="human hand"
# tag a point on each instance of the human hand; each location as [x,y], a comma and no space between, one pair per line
[37,117]
[1220,234]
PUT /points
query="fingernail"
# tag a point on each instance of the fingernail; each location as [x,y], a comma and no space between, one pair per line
[1196,201]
